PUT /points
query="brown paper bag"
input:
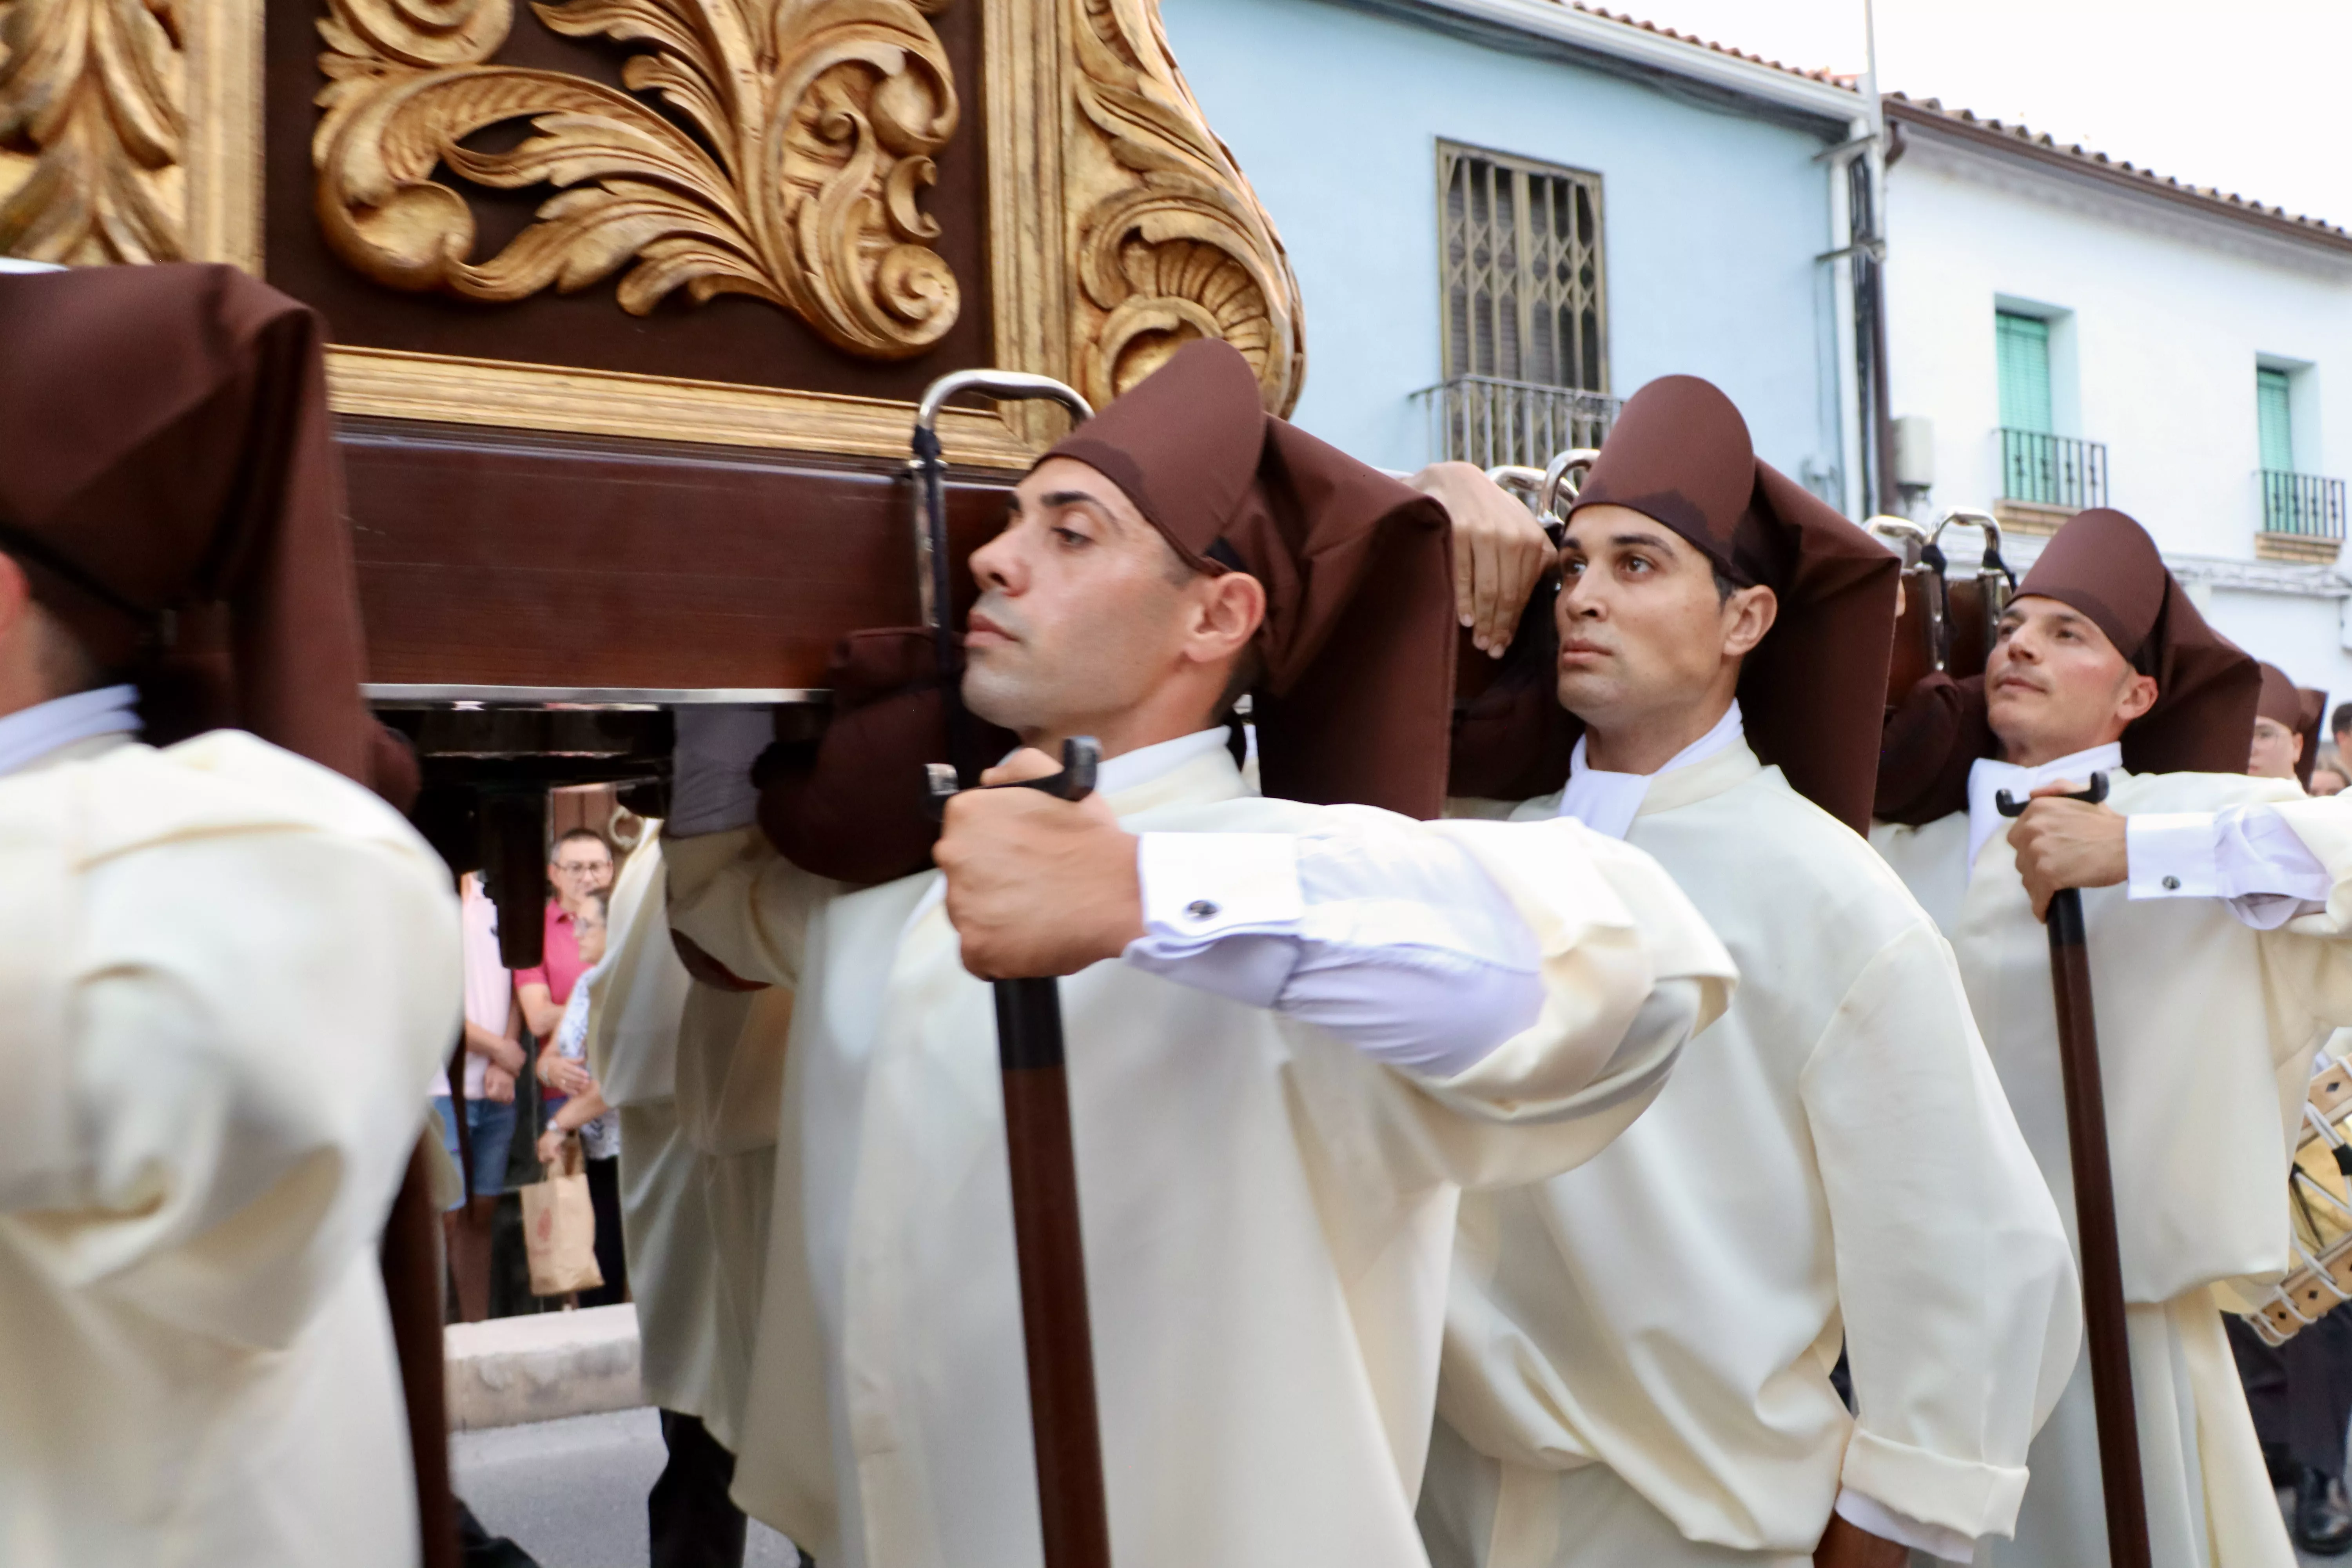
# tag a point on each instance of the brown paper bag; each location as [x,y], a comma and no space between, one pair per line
[559,1228]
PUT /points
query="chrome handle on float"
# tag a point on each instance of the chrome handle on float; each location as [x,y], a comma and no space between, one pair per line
[1907,538]
[1564,477]
[928,466]
[1527,484]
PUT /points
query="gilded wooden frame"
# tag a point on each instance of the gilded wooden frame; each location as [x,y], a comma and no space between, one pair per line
[1118,226]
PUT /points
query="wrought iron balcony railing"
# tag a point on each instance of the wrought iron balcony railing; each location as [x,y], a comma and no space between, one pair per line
[2301,504]
[2052,470]
[1486,420]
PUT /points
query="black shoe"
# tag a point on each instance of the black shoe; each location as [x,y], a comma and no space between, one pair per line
[2323,1524]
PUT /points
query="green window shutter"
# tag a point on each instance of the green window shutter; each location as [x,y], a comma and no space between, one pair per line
[2276,419]
[2023,343]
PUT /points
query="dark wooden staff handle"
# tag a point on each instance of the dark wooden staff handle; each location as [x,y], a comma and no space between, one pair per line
[1064,1424]
[2095,1215]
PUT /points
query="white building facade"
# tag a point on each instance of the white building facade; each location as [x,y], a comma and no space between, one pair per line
[2066,331]
[1525,205]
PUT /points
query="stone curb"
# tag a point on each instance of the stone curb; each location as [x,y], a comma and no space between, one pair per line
[510,1371]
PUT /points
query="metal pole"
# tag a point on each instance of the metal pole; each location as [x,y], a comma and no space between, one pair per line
[2095,1217]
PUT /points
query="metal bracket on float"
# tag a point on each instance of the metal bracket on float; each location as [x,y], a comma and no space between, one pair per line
[1563,476]
[928,464]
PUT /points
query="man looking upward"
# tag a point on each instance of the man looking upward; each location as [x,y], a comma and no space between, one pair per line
[2215,906]
[1294,1031]
[1638,1351]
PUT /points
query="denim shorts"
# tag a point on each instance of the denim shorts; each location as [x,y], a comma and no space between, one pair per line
[491,1127]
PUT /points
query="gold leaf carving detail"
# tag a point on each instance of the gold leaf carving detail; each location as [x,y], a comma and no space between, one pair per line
[1173,246]
[91,133]
[802,139]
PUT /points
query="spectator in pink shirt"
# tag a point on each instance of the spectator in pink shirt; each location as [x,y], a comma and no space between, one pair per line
[583,865]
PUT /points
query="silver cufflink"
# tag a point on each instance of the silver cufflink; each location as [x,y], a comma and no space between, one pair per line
[1200,909]
[2172,884]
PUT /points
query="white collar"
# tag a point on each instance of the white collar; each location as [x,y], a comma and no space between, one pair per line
[1988,778]
[31,733]
[1145,764]
[1607,803]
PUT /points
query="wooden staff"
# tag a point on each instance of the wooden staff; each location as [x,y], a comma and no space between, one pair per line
[1058,1340]
[2095,1215]
[1055,1332]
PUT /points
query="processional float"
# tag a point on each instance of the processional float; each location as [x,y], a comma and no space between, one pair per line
[630,303]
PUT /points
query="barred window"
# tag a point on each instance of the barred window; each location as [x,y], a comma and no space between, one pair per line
[1524,293]
[1525,312]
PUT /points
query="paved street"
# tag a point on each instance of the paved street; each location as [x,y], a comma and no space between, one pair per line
[572,1492]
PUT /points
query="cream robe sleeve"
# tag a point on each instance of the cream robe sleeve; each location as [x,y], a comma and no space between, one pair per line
[744,904]
[2307,955]
[636,995]
[1631,972]
[1950,1250]
[228,976]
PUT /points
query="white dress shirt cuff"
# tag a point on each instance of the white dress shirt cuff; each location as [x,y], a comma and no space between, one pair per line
[2172,854]
[710,788]
[1206,896]
[1938,1540]
[1199,887]
[2244,854]
[1389,936]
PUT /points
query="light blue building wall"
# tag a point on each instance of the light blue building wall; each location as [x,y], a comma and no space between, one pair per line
[1714,214]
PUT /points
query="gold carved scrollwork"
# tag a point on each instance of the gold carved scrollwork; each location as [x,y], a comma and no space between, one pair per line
[1174,244]
[91,95]
[803,141]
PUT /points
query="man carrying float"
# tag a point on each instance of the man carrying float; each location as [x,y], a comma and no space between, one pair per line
[227,970]
[1295,1031]
[2215,906]
[1639,1352]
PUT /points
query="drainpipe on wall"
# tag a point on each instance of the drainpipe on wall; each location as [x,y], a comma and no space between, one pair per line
[1867,174]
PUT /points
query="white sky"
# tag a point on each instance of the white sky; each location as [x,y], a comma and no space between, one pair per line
[2248,95]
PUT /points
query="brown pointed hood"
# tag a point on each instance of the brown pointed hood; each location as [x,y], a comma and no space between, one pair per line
[2300,709]
[2102,563]
[1813,693]
[172,488]
[1359,629]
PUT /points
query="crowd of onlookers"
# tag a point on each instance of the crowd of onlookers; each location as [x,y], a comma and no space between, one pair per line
[528,1087]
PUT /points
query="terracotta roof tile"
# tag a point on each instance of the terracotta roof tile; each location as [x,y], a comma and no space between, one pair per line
[1929,108]
[1832,79]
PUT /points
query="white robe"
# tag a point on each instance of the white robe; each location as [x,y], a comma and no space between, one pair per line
[638,998]
[1638,1351]
[1267,1213]
[2206,1035]
[730,1079]
[226,976]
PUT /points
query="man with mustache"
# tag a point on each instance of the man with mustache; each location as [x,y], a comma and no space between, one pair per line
[1639,1352]
[2216,905]
[1294,1031]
